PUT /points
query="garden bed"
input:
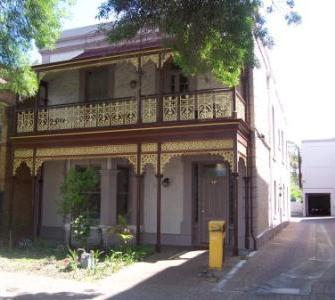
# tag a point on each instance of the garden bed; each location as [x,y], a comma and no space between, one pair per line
[43,258]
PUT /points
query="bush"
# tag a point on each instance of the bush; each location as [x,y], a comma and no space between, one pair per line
[75,201]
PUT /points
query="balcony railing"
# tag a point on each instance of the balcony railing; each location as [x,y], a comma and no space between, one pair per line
[154,109]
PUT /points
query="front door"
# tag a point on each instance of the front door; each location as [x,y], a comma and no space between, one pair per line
[214,196]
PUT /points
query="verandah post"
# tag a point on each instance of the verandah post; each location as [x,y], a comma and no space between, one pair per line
[159,199]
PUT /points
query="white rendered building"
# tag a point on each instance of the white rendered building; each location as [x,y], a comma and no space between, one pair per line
[318,173]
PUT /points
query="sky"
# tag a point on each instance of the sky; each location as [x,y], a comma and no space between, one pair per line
[302,60]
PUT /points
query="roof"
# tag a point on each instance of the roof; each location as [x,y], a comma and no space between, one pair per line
[119,48]
[74,32]
[145,41]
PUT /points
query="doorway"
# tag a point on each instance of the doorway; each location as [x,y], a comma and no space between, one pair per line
[318,204]
[211,197]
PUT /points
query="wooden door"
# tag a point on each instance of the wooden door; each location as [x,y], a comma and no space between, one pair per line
[214,195]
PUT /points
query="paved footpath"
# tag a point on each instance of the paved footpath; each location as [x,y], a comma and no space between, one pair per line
[298,264]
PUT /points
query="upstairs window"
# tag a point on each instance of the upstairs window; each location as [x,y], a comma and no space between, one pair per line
[183,84]
[43,94]
[177,82]
[97,84]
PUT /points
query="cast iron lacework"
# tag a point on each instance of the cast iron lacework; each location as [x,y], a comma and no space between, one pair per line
[228,156]
[25,121]
[205,106]
[187,107]
[170,108]
[223,104]
[123,112]
[151,147]
[148,159]
[150,58]
[149,110]
[240,109]
[148,154]
[197,145]
[23,156]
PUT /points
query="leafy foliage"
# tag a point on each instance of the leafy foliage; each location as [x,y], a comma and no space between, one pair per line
[76,185]
[295,160]
[205,35]
[296,193]
[76,202]
[72,260]
[24,23]
[122,230]
[81,229]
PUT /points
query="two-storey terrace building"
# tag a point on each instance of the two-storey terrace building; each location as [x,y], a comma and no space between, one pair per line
[173,152]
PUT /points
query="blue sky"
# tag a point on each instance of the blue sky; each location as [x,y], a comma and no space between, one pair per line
[302,60]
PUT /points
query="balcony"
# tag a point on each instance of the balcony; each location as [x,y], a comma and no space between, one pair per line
[154,110]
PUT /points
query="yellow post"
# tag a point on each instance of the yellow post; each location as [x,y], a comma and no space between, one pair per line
[217,234]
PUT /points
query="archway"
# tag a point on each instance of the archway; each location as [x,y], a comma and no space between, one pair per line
[22,206]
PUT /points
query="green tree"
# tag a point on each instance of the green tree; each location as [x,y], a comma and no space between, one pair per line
[75,202]
[295,160]
[23,25]
[204,35]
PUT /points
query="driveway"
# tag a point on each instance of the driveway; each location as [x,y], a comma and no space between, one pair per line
[298,264]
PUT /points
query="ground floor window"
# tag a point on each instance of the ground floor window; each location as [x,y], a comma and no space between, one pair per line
[94,196]
[122,208]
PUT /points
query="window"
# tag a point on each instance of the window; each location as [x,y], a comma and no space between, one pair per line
[97,84]
[183,84]
[43,94]
[177,83]
[94,196]
[173,83]
[122,207]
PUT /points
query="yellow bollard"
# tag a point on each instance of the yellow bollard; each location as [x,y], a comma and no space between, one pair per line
[217,233]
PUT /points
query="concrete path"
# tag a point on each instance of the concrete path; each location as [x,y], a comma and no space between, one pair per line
[298,264]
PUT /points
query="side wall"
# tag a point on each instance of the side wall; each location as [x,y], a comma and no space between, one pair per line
[269,146]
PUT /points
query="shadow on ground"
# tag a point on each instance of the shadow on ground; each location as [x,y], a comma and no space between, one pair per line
[189,278]
[54,296]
